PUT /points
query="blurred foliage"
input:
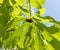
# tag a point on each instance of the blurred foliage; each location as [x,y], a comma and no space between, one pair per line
[22,30]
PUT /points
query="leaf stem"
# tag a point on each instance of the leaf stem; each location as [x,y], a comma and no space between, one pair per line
[29,10]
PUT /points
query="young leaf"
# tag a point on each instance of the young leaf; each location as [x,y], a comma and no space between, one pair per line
[42,11]
[23,36]
[38,43]
[37,3]
[13,39]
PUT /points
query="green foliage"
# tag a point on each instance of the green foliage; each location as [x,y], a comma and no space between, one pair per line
[24,30]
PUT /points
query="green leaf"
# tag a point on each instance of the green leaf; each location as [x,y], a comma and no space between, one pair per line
[23,36]
[1,1]
[47,19]
[50,36]
[56,35]
[15,12]
[4,18]
[48,46]
[28,39]
[41,12]
[38,43]
[20,2]
[24,11]
[13,39]
[47,31]
[55,44]
[21,42]
[3,31]
[37,3]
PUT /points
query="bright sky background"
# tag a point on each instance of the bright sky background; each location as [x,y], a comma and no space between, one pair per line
[53,8]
